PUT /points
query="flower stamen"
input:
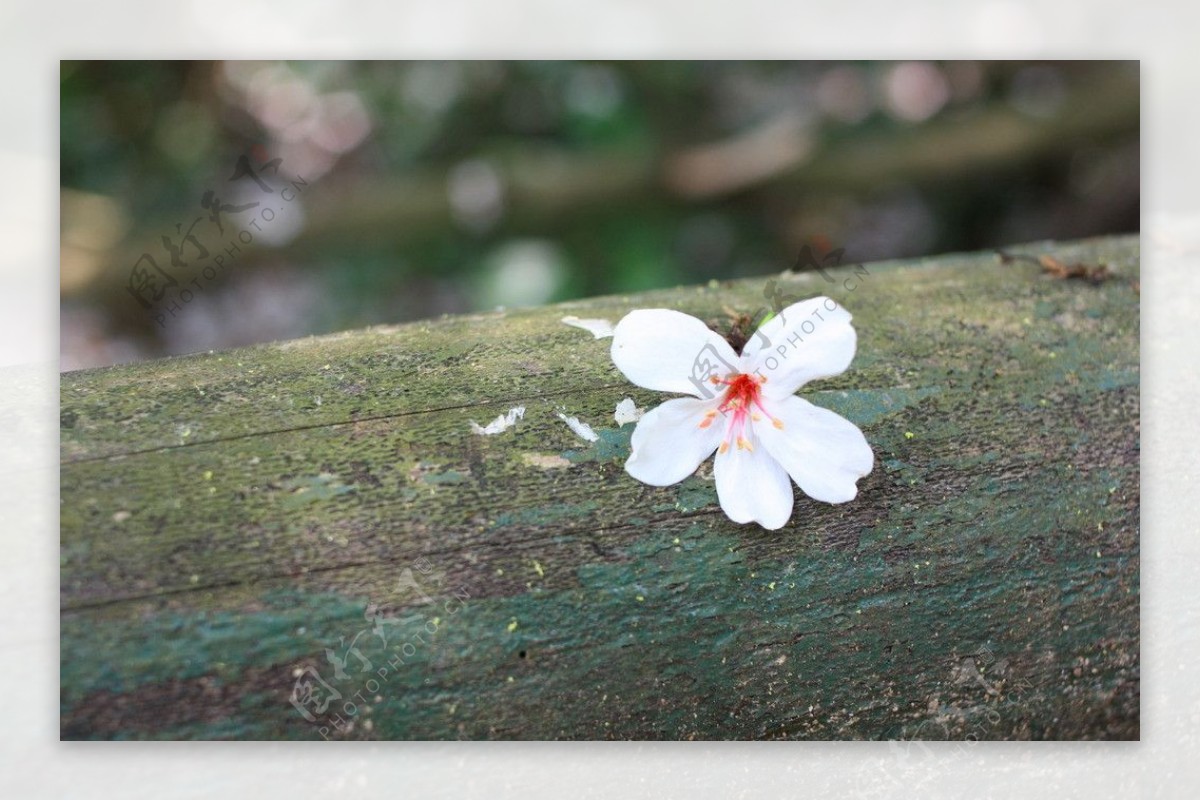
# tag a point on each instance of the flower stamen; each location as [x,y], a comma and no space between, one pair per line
[738,404]
[775,421]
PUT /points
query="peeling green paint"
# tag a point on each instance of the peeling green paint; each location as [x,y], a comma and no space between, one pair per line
[866,407]
[307,489]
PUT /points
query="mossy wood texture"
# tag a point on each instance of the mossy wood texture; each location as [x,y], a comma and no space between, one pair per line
[307,540]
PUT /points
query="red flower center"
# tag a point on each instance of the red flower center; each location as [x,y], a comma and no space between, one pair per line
[742,395]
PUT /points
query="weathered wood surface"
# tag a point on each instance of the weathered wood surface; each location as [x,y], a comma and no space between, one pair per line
[226,518]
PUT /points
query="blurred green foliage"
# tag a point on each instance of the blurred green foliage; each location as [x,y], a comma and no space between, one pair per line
[141,141]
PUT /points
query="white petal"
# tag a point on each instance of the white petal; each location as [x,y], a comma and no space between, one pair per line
[752,486]
[808,340]
[598,328]
[500,423]
[581,429]
[668,443]
[627,412]
[823,452]
[670,351]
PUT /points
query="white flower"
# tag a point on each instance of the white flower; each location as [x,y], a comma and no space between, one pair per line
[744,408]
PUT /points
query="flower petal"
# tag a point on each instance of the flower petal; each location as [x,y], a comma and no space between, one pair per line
[808,340]
[669,444]
[670,351]
[752,486]
[823,452]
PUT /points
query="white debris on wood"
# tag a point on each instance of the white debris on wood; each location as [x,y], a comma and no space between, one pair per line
[501,423]
[598,328]
[583,430]
[627,412]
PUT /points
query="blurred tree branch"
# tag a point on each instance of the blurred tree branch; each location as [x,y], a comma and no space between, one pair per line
[781,154]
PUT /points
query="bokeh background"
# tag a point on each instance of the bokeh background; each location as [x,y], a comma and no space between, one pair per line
[422,188]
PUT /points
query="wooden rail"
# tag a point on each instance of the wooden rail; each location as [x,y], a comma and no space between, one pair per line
[307,540]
